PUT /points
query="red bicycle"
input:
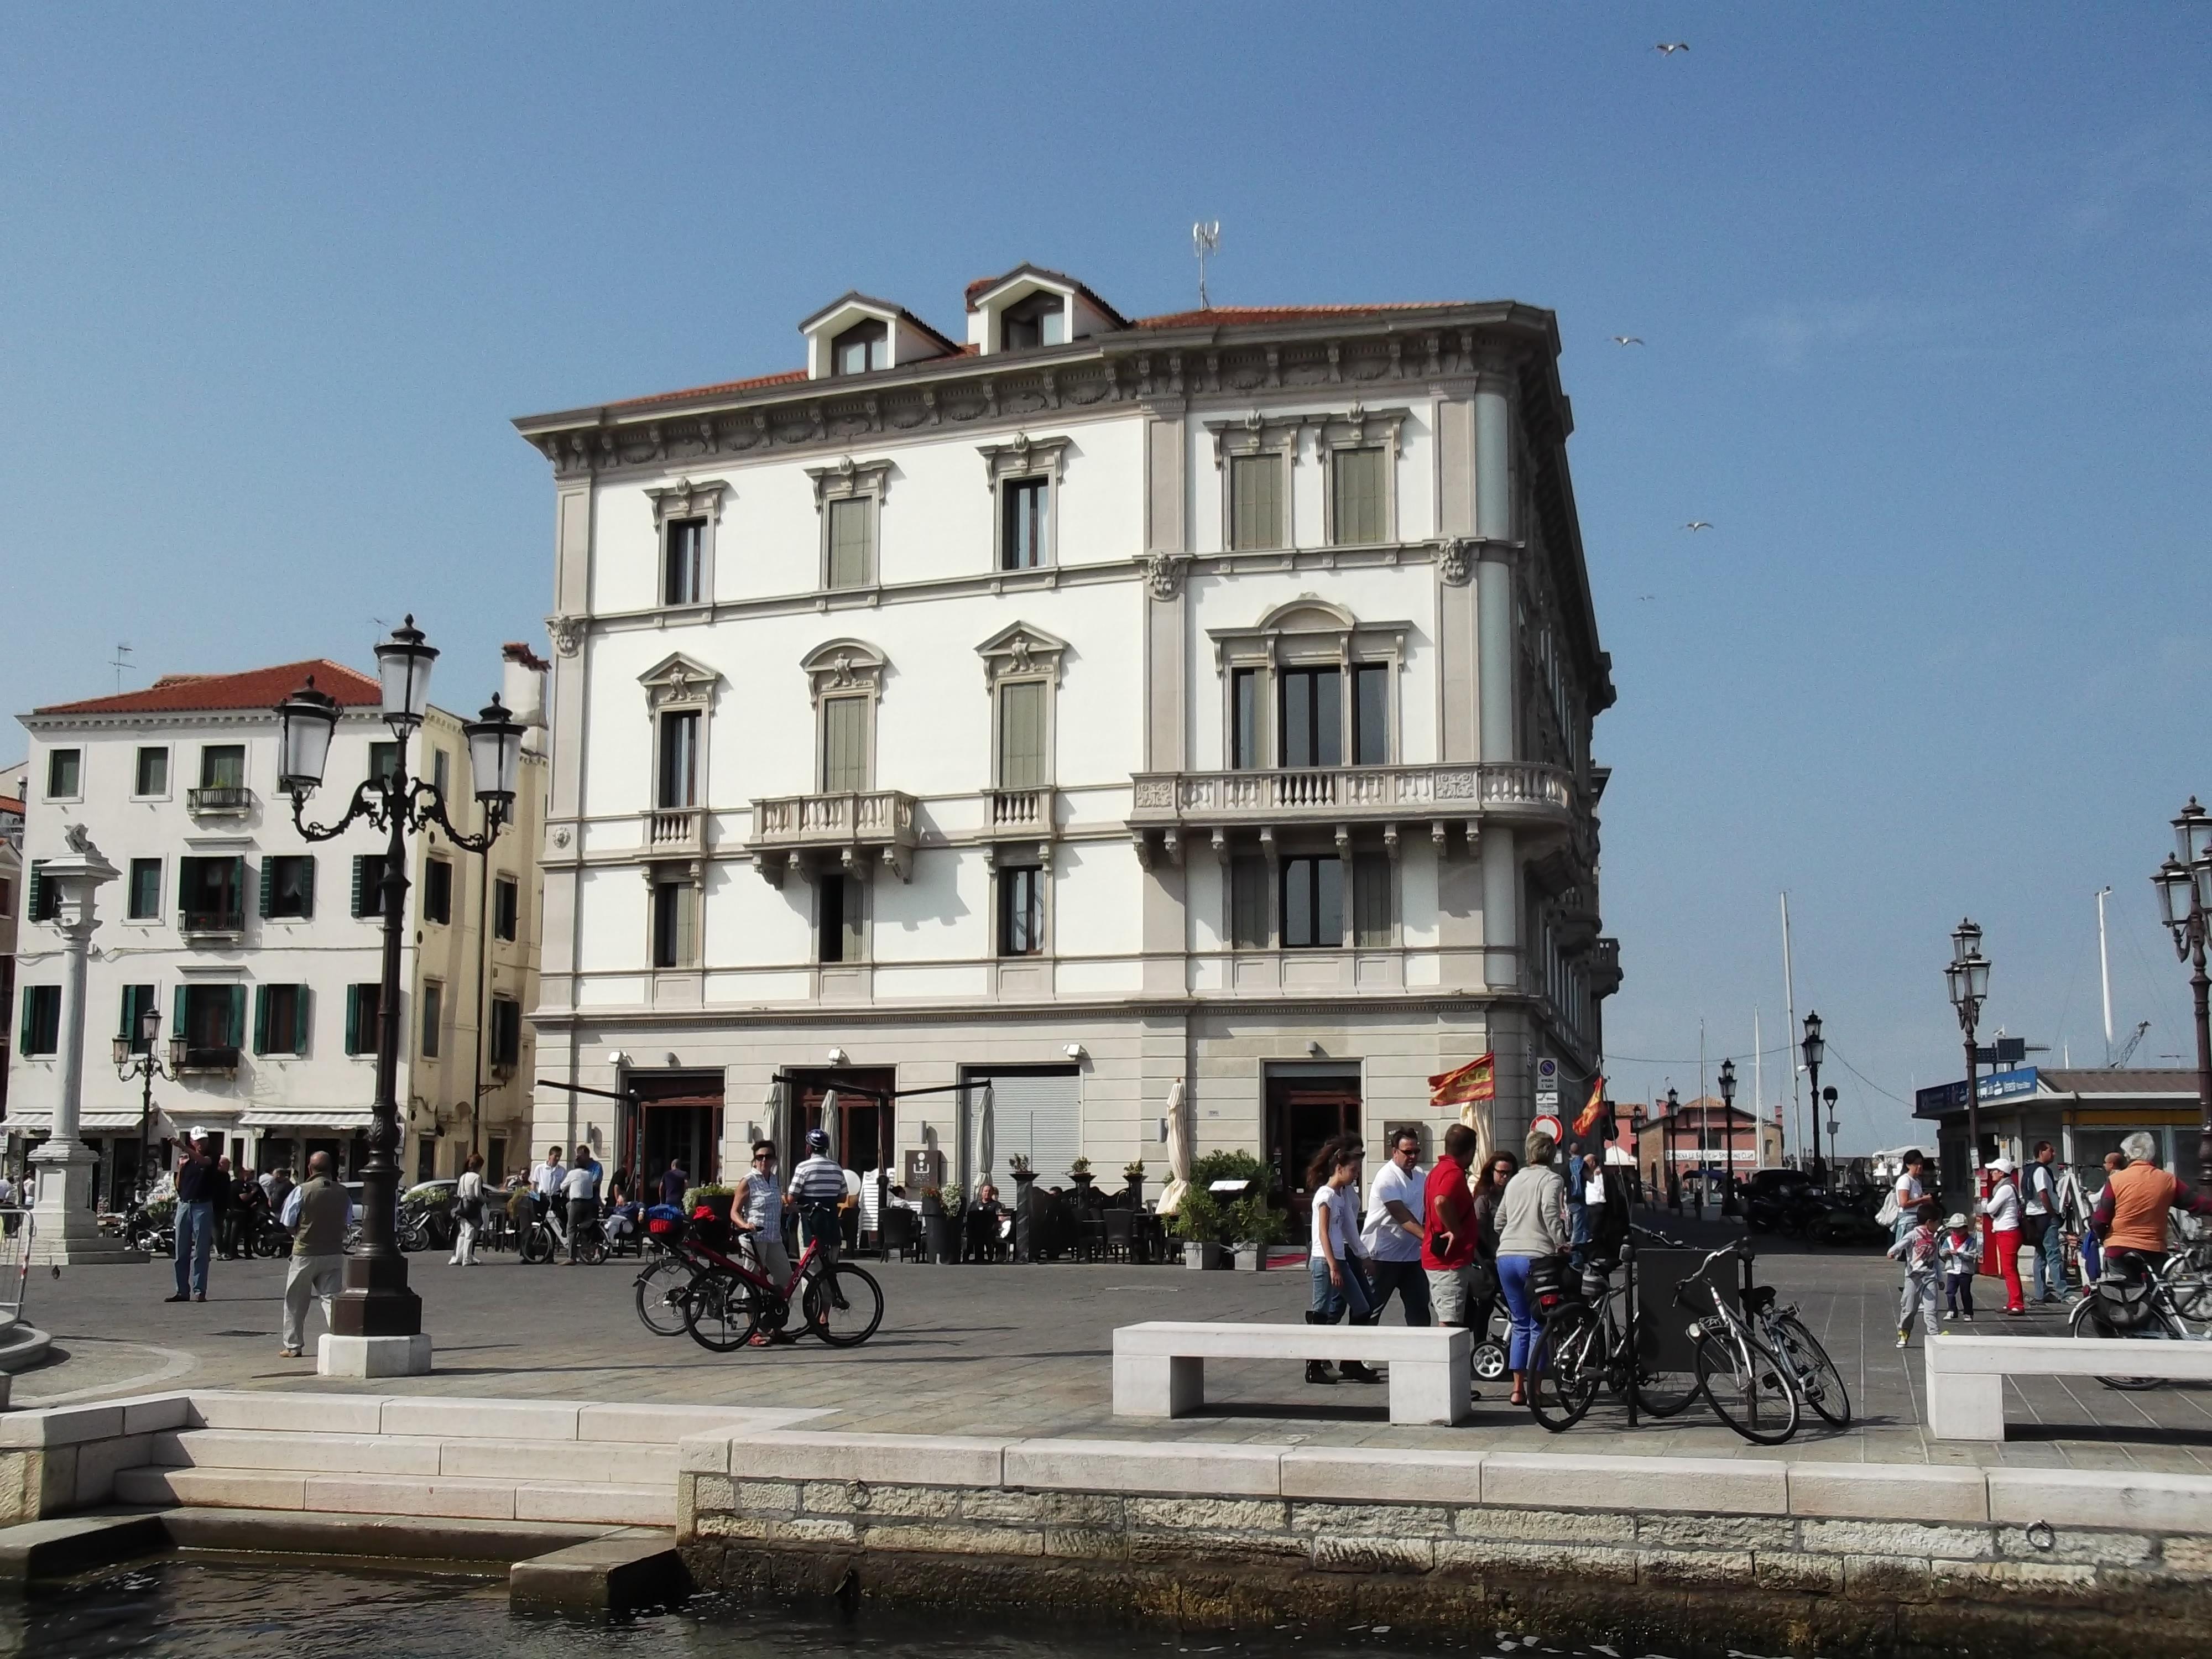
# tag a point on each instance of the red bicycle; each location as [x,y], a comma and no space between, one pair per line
[724,1302]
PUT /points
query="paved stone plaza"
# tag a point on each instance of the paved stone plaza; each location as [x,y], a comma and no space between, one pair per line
[1024,1351]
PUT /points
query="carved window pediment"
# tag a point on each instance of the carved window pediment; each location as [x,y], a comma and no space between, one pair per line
[1021,649]
[680,682]
[1025,457]
[848,478]
[689,499]
[844,665]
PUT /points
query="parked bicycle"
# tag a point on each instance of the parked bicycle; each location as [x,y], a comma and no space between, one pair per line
[722,1301]
[1586,1346]
[2135,1298]
[544,1238]
[1750,1387]
[1820,1383]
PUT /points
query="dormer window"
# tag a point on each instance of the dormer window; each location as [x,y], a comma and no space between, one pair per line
[861,347]
[1039,320]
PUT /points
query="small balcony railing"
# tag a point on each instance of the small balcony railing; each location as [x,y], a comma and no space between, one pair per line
[219,799]
[222,1057]
[1509,791]
[1604,966]
[211,923]
[875,824]
[1018,811]
[675,831]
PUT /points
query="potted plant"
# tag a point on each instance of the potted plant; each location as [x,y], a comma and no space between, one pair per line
[1134,1175]
[1079,1173]
[940,1222]
[1025,1190]
[1198,1222]
[1253,1223]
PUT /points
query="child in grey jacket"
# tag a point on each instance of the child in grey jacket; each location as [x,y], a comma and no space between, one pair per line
[1959,1252]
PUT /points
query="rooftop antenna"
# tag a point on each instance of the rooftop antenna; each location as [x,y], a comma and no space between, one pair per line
[1205,239]
[119,662]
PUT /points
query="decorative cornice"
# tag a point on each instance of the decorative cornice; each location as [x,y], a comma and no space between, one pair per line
[678,681]
[1024,457]
[686,500]
[844,665]
[849,478]
[1021,648]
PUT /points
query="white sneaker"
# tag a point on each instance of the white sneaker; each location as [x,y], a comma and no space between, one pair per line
[1901,1339]
[1949,1315]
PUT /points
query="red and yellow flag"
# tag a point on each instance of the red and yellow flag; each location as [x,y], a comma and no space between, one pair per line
[1476,1080]
[1587,1120]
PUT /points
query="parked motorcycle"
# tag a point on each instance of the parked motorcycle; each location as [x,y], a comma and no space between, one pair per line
[152,1228]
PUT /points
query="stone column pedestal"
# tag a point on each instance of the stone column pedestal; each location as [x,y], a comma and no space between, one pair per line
[62,1230]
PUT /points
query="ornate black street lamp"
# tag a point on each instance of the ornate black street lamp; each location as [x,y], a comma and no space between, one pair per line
[135,1056]
[1816,1049]
[2184,896]
[1828,1094]
[1968,977]
[376,1301]
[1728,1118]
[1667,1135]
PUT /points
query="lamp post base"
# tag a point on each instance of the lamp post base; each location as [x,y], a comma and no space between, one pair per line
[373,1356]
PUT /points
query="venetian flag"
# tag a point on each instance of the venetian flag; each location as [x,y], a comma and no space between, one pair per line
[1476,1080]
[1594,1108]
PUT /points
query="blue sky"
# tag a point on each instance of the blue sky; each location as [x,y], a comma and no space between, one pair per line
[1923,290]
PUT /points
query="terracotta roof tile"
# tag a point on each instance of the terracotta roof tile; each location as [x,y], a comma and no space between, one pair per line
[785,378]
[1224,315]
[9,803]
[257,688]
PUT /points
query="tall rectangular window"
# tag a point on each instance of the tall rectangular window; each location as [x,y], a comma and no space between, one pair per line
[222,766]
[838,919]
[1022,758]
[675,921]
[1021,911]
[280,1019]
[844,744]
[434,1017]
[383,762]
[41,1032]
[506,1032]
[364,1010]
[1244,718]
[1370,713]
[1255,501]
[441,768]
[437,890]
[505,906]
[212,1020]
[1356,481]
[150,777]
[679,759]
[1371,916]
[1313,717]
[144,901]
[368,870]
[1313,904]
[852,541]
[683,562]
[211,894]
[64,774]
[287,887]
[1247,903]
[138,1001]
[1023,527]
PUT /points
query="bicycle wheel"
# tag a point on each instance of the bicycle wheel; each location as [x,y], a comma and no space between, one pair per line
[1568,1368]
[591,1248]
[1751,1389]
[2089,1320]
[1664,1394]
[536,1246]
[1819,1384]
[2189,1282]
[848,1313]
[662,1291]
[722,1311]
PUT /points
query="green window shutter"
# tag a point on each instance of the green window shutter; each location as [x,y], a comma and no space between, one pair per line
[127,1019]
[234,1034]
[844,743]
[1021,734]
[353,1019]
[37,896]
[261,1017]
[356,883]
[237,886]
[268,881]
[23,1039]
[307,886]
[176,1027]
[303,1015]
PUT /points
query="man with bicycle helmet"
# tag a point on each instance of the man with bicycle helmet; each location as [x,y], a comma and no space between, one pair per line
[2131,1215]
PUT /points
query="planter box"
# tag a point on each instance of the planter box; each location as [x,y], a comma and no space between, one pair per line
[1251,1258]
[1203,1255]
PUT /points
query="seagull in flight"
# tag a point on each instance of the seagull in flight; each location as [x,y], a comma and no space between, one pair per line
[1669,48]
[1647,596]
[1698,523]
[1627,339]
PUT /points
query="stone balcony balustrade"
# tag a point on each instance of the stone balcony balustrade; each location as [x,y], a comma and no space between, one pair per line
[219,801]
[1522,793]
[675,832]
[853,828]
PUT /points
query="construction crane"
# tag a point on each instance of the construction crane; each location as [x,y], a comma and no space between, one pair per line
[2129,1053]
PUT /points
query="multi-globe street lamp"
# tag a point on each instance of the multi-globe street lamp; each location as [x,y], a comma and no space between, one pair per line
[1968,978]
[1727,1122]
[136,1056]
[376,1301]
[2184,896]
[1815,1047]
[1667,1135]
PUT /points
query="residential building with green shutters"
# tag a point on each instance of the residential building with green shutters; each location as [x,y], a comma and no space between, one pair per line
[1086,703]
[264,949]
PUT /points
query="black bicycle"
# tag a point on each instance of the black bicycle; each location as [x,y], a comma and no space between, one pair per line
[1584,1347]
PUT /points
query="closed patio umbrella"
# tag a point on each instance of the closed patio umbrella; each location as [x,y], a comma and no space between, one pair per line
[986,1133]
[1178,1150]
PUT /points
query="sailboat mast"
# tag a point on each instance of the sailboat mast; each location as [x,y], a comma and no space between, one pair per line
[1790,1002]
[2105,971]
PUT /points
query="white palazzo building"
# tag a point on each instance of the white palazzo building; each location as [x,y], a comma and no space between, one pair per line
[1082,705]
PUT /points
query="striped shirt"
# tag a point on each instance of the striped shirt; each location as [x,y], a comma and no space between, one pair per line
[819,1180]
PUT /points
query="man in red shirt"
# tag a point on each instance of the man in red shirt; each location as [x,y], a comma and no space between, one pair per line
[1448,1237]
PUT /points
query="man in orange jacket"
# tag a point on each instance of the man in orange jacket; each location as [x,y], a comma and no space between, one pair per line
[2131,1216]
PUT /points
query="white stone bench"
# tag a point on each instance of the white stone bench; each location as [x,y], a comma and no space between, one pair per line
[1160,1368]
[1966,1374]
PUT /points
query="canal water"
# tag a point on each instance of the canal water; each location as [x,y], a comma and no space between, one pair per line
[213,1607]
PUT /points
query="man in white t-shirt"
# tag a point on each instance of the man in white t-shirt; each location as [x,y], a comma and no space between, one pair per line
[1392,1233]
[581,1187]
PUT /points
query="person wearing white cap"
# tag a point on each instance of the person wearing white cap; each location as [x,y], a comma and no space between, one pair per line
[1959,1253]
[2004,1209]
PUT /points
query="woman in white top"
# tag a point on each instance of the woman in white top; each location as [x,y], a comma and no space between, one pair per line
[468,1212]
[1339,1282]
[2004,1209]
[1908,1191]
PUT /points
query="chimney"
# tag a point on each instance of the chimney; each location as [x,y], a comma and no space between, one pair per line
[522,689]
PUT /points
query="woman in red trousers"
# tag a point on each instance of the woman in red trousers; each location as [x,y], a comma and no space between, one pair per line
[2004,1209]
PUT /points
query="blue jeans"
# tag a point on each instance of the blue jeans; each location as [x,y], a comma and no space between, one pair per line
[2051,1262]
[195,1239]
[1332,1301]
[1521,1302]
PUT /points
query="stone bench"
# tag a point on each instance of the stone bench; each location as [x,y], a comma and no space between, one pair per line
[1160,1368]
[1966,1374]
